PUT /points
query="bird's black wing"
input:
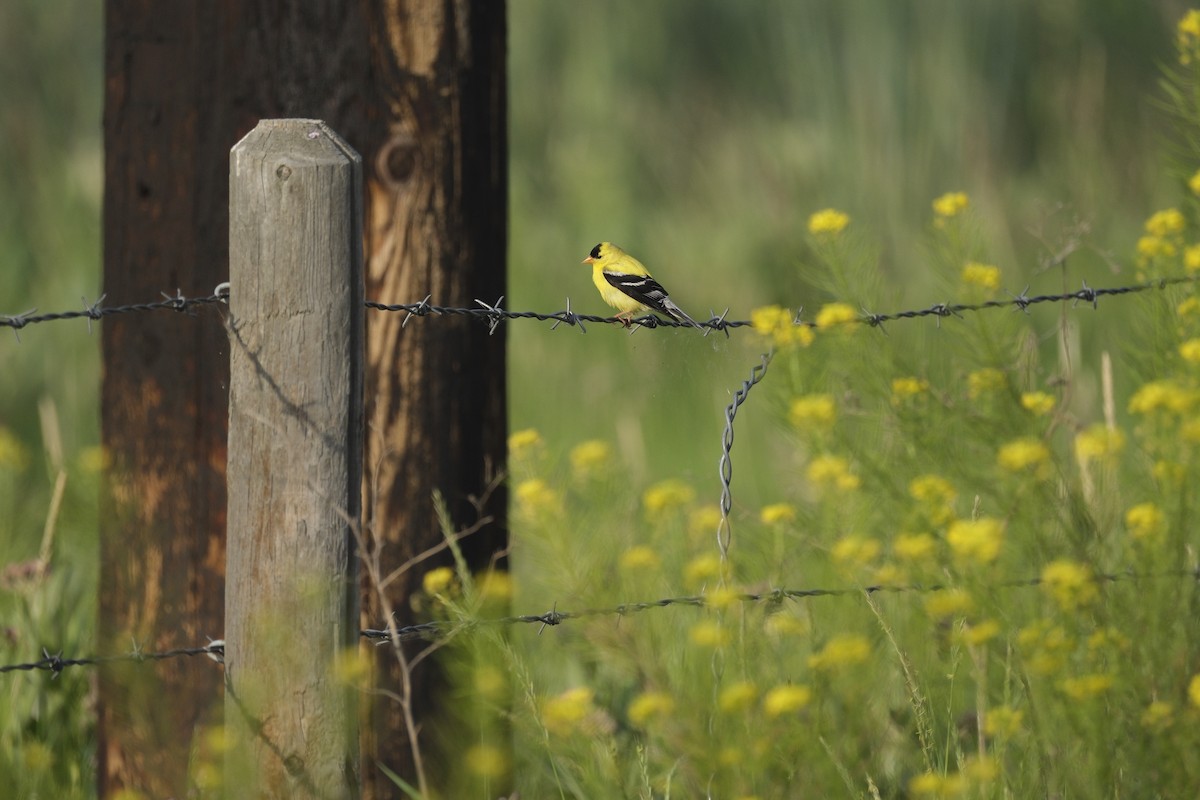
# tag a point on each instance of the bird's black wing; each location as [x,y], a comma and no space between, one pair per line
[642,288]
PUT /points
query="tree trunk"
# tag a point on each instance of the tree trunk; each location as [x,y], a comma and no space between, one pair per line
[435,393]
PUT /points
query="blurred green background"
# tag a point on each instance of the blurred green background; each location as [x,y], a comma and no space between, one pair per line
[697,134]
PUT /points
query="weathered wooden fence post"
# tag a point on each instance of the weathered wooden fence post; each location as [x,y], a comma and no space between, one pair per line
[295,460]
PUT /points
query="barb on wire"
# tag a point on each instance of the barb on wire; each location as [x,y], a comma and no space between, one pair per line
[725,464]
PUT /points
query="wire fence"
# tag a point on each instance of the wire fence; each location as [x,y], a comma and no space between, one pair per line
[215,649]
[494,313]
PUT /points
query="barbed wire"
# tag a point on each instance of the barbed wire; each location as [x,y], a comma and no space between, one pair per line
[495,313]
[55,663]
[215,649]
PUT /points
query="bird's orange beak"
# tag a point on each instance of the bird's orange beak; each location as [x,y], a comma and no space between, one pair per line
[588,260]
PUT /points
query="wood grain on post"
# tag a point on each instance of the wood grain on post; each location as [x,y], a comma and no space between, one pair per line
[295,460]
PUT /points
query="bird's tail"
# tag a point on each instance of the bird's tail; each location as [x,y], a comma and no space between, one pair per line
[677,312]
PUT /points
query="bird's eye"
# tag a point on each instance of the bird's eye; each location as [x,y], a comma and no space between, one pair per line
[595,252]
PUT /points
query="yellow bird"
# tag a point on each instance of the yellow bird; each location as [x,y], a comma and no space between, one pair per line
[626,285]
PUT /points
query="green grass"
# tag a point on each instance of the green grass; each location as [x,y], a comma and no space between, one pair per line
[700,136]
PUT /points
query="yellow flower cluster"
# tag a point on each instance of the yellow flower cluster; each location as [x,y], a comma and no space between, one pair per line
[949,603]
[949,205]
[640,557]
[1164,236]
[828,222]
[523,443]
[666,496]
[437,581]
[1145,522]
[914,547]
[1187,37]
[564,713]
[1003,722]
[812,409]
[1085,687]
[1045,646]
[486,761]
[591,458]
[1099,442]
[704,520]
[535,498]
[832,472]
[648,706]
[1070,584]
[702,569]
[855,551]
[936,496]
[981,276]
[976,771]
[985,381]
[777,324]
[786,699]
[709,633]
[904,389]
[836,314]
[1165,395]
[975,540]
[1190,351]
[737,697]
[1026,454]
[1037,403]
[842,650]
[777,513]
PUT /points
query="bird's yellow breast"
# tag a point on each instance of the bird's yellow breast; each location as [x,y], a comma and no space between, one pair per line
[614,296]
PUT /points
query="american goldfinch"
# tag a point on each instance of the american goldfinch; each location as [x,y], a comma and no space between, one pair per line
[626,285]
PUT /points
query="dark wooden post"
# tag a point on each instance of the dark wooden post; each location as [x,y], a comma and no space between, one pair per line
[295,460]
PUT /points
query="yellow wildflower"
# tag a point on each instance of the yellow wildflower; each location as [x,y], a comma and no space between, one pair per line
[1189,307]
[1037,403]
[723,597]
[828,222]
[1145,521]
[779,625]
[523,442]
[1024,454]
[812,409]
[438,580]
[834,314]
[1070,584]
[1193,691]
[640,557]
[1190,350]
[1164,395]
[1003,722]
[786,699]
[590,458]
[91,459]
[708,634]
[931,784]
[1172,473]
[648,706]
[777,513]
[914,547]
[563,713]
[1191,258]
[494,585]
[936,495]
[976,540]
[666,496]
[1167,222]
[486,761]
[904,389]
[701,569]
[1187,36]
[855,551]
[1158,715]
[737,697]
[535,496]
[985,381]
[780,326]
[1107,639]
[982,276]
[832,472]
[1194,183]
[1099,441]
[981,632]
[842,650]
[1085,687]
[950,204]
[949,603]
